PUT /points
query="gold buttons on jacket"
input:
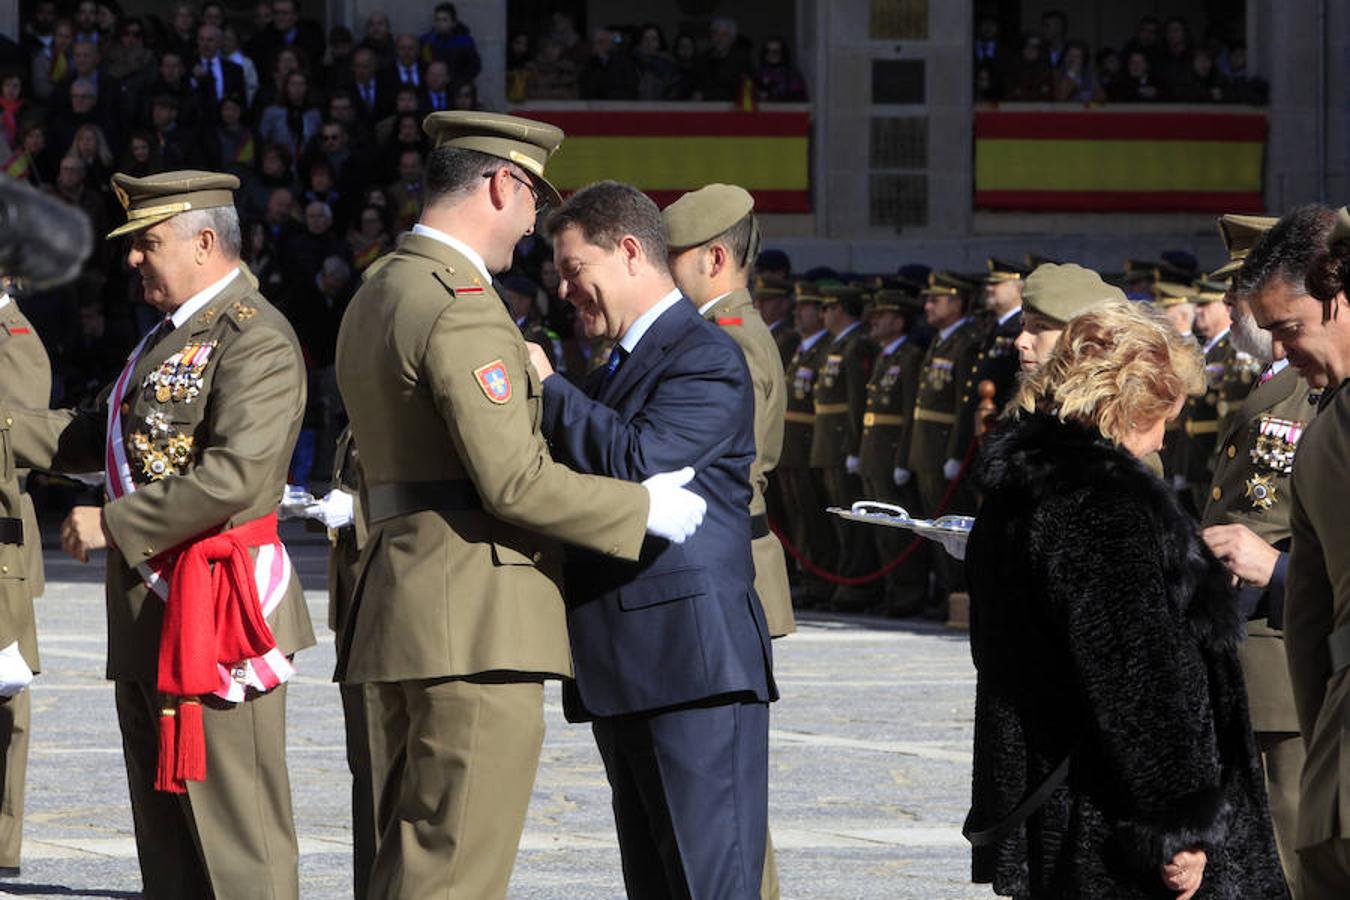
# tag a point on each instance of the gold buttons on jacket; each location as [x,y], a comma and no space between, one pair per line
[537,556]
[4,570]
[1216,493]
[148,552]
[1232,451]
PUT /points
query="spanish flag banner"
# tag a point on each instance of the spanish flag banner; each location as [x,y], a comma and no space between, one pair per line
[669,152]
[1108,161]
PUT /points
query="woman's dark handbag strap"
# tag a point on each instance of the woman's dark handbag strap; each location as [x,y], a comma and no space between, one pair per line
[1023,811]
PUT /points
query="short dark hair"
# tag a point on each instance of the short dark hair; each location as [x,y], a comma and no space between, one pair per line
[1287,252]
[447,7]
[738,239]
[453,170]
[607,211]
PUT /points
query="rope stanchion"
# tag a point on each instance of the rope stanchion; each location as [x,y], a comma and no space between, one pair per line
[856,580]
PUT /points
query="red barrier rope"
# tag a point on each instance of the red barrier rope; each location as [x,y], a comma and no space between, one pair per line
[856,580]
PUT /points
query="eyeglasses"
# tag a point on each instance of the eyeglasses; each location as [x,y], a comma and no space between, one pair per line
[540,201]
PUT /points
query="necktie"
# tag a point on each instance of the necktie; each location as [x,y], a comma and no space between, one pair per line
[438,100]
[1268,374]
[368,94]
[615,360]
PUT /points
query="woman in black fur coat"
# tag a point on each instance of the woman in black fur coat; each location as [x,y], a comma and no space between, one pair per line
[1104,635]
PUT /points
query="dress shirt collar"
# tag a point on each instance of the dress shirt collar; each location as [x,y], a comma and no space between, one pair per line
[947,332]
[4,299]
[1276,367]
[703,310]
[809,342]
[455,244]
[630,339]
[1209,344]
[846,332]
[894,345]
[1003,319]
[180,315]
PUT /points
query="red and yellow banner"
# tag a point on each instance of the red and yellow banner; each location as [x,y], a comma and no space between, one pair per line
[1101,161]
[666,153]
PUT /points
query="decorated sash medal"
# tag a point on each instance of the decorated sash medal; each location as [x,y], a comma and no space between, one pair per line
[1273,455]
[939,373]
[801,384]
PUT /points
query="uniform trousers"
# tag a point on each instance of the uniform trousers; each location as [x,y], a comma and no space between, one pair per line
[691,799]
[454,762]
[15,715]
[1282,759]
[907,584]
[231,836]
[949,572]
[1324,871]
[363,787]
[808,524]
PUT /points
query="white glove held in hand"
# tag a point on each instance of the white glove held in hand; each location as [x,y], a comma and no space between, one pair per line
[334,510]
[852,464]
[14,672]
[951,468]
[900,476]
[675,512]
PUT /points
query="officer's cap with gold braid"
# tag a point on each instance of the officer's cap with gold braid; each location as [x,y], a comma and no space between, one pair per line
[1209,292]
[701,215]
[1240,234]
[1061,291]
[525,142]
[807,292]
[1000,270]
[890,299]
[1171,293]
[850,296]
[947,284]
[155,198]
[771,286]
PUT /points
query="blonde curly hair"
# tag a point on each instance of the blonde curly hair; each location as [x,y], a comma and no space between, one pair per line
[1117,366]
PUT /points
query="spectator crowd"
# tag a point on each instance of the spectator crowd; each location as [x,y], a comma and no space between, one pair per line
[1162,62]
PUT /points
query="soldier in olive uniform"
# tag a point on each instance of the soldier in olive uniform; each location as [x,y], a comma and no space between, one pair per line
[1246,524]
[996,359]
[1053,294]
[773,299]
[457,615]
[840,400]
[809,526]
[28,383]
[204,418]
[935,458]
[884,450]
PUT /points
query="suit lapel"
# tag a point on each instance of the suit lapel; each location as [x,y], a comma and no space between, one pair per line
[650,350]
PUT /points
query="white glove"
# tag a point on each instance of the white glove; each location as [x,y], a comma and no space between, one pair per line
[951,468]
[14,672]
[334,510]
[900,476]
[294,503]
[851,464]
[675,512]
[1178,482]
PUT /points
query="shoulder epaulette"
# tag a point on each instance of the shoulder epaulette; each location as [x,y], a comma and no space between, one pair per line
[729,320]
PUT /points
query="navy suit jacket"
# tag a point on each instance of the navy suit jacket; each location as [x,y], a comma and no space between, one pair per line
[682,625]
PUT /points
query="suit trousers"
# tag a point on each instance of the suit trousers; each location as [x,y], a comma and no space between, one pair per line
[231,836]
[1282,759]
[363,787]
[691,799]
[15,715]
[454,762]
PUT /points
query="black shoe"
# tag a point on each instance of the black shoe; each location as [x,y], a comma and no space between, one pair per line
[9,871]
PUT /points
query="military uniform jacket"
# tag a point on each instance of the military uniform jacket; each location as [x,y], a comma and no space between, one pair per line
[27,382]
[1228,379]
[736,315]
[437,383]
[890,401]
[787,339]
[1318,604]
[934,436]
[841,398]
[1251,488]
[800,415]
[996,361]
[349,540]
[210,454]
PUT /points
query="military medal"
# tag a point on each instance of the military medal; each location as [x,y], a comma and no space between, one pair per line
[801,385]
[939,373]
[156,466]
[832,364]
[158,423]
[1276,442]
[179,449]
[138,442]
[243,311]
[1261,491]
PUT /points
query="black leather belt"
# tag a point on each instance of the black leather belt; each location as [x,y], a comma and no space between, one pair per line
[1338,643]
[759,526]
[399,498]
[11,530]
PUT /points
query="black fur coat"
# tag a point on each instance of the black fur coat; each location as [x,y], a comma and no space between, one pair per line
[1103,627]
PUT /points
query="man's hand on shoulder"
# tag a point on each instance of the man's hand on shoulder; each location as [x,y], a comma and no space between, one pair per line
[539,359]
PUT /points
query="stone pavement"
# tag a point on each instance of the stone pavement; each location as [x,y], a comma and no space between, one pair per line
[870,759]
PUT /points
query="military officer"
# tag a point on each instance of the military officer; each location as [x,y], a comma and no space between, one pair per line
[934,456]
[773,299]
[808,524]
[197,437]
[1301,301]
[996,359]
[840,400]
[457,616]
[1246,524]
[884,450]
[1053,294]
[28,383]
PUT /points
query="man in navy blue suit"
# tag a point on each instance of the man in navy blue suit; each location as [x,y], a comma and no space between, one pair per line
[671,653]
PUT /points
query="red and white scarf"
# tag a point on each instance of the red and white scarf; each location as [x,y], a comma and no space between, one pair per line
[271,568]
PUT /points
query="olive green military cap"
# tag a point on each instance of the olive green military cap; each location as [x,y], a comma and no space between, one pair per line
[1001,270]
[525,142]
[945,283]
[1141,270]
[155,198]
[1060,291]
[701,215]
[835,292]
[1172,293]
[1240,234]
[807,292]
[895,300]
[771,286]
[1208,291]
